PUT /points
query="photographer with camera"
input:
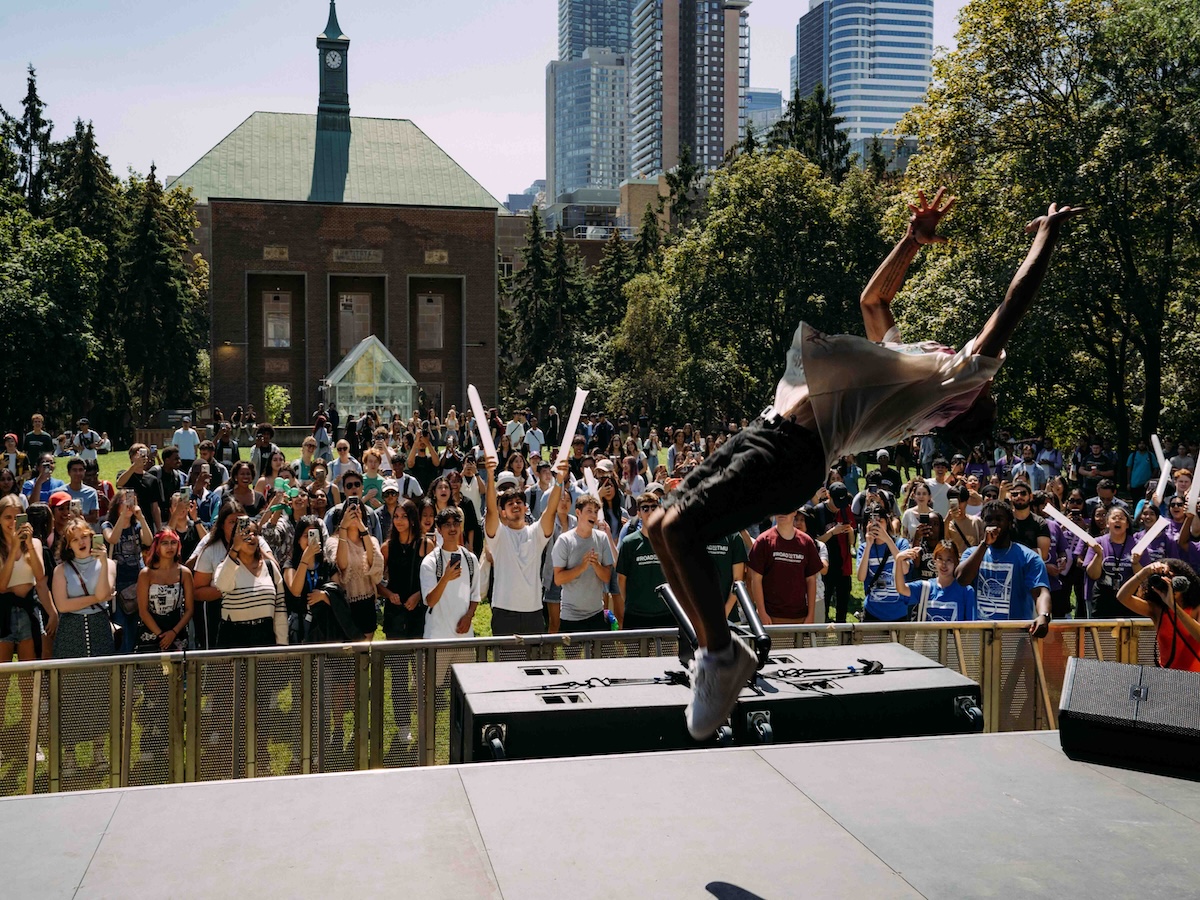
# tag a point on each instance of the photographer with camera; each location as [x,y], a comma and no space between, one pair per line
[1168,592]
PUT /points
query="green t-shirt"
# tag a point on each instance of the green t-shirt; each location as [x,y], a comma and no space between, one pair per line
[377,483]
[638,562]
[725,555]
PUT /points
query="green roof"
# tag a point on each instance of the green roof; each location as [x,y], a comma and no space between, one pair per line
[280,156]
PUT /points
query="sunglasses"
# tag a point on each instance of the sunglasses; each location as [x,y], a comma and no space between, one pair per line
[648,507]
[1177,505]
[353,484]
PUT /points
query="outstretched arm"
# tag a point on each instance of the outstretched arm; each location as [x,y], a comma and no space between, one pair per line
[877,296]
[1025,283]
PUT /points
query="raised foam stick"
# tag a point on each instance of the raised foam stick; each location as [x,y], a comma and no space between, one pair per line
[481,421]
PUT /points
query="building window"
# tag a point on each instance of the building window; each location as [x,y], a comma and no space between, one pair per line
[429,322]
[354,320]
[277,320]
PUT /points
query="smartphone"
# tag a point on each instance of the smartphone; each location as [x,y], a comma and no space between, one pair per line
[954,505]
[128,492]
[205,469]
[455,559]
[97,542]
[243,524]
[144,453]
[314,536]
[351,503]
[154,449]
[923,518]
[186,493]
[77,507]
[22,519]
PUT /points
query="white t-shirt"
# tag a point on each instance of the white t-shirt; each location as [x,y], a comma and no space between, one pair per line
[187,441]
[516,433]
[517,567]
[456,598]
[535,440]
[941,497]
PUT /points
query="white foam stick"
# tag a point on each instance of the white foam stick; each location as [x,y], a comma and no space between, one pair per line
[1154,531]
[1068,524]
[1160,491]
[1158,451]
[572,423]
[481,422]
[593,484]
[1193,495]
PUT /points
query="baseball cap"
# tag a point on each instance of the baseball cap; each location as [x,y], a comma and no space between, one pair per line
[506,479]
[605,465]
[83,421]
[883,454]
[186,419]
[544,464]
[839,494]
[58,498]
[390,484]
[655,487]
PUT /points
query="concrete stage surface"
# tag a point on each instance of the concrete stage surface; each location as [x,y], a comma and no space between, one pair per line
[1004,815]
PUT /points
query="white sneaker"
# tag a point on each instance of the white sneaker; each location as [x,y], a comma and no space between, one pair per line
[716,684]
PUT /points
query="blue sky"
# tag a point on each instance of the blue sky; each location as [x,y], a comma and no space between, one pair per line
[165,82]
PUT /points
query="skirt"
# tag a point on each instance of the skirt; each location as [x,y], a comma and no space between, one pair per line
[81,636]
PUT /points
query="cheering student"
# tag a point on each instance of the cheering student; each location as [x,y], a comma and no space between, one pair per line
[839,394]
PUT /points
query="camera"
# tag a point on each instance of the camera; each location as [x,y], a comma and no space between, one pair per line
[425,429]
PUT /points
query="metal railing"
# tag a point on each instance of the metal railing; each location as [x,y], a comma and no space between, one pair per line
[158,719]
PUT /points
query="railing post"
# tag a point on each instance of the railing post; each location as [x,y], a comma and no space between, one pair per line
[251,716]
[362,708]
[191,722]
[175,701]
[429,688]
[377,682]
[55,757]
[114,726]
[35,719]
[305,713]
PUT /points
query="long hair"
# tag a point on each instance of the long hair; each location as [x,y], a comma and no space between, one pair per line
[302,527]
[409,509]
[156,548]
[228,508]
[5,502]
[235,469]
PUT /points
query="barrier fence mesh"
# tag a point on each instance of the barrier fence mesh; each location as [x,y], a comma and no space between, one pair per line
[127,720]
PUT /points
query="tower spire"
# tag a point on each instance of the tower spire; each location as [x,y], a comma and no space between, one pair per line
[333,31]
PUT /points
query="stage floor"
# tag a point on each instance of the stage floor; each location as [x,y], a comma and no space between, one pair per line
[976,816]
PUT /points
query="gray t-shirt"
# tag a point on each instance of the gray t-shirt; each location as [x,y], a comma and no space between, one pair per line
[584,596]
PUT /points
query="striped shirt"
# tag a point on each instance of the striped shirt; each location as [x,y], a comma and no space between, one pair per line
[246,596]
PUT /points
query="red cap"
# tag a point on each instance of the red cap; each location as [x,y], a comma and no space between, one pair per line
[58,498]
[11,437]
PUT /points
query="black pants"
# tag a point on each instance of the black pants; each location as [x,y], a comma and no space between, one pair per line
[837,595]
[596,622]
[507,621]
[634,621]
[255,633]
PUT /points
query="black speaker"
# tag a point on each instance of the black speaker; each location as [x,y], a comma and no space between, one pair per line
[1138,717]
[531,710]
[831,694]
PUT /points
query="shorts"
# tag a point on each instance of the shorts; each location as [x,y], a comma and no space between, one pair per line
[21,624]
[771,466]
[595,622]
[362,613]
[553,594]
[506,621]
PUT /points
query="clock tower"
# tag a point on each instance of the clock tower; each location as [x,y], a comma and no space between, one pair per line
[333,104]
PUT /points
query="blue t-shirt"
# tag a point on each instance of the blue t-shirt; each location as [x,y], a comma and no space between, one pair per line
[883,602]
[1006,581]
[955,603]
[49,486]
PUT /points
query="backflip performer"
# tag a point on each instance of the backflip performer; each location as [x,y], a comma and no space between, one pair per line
[839,395]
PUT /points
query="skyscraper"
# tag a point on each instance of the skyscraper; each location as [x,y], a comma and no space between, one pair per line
[587,122]
[593,23]
[691,71]
[873,56]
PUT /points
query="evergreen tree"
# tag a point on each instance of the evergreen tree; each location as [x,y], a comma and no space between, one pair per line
[161,298]
[34,147]
[811,125]
[10,165]
[607,300]
[683,186]
[647,251]
[876,160]
[531,317]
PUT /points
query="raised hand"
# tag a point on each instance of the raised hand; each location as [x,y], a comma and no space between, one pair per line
[926,216]
[1054,217]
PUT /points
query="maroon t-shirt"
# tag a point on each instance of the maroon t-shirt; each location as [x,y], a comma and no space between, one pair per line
[785,566]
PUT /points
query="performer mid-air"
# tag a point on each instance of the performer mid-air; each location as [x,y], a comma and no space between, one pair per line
[839,395]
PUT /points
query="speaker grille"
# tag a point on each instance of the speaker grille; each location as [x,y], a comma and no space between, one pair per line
[1100,691]
[1172,703]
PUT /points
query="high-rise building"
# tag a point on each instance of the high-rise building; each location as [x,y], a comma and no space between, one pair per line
[587,122]
[873,56]
[691,72]
[593,23]
[764,107]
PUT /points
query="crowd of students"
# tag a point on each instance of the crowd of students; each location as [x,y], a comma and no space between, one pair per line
[403,525]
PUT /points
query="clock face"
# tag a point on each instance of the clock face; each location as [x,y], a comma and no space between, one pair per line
[333,59]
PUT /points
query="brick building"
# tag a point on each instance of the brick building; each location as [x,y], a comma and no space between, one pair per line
[323,229]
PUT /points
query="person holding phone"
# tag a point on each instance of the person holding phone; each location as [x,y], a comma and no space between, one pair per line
[253,610]
[165,596]
[877,569]
[43,483]
[83,588]
[450,583]
[21,568]
[302,580]
[139,479]
[127,533]
[403,614]
[359,564]
[917,514]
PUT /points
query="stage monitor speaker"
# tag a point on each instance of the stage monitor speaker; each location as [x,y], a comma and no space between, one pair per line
[1139,717]
[829,694]
[532,710]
